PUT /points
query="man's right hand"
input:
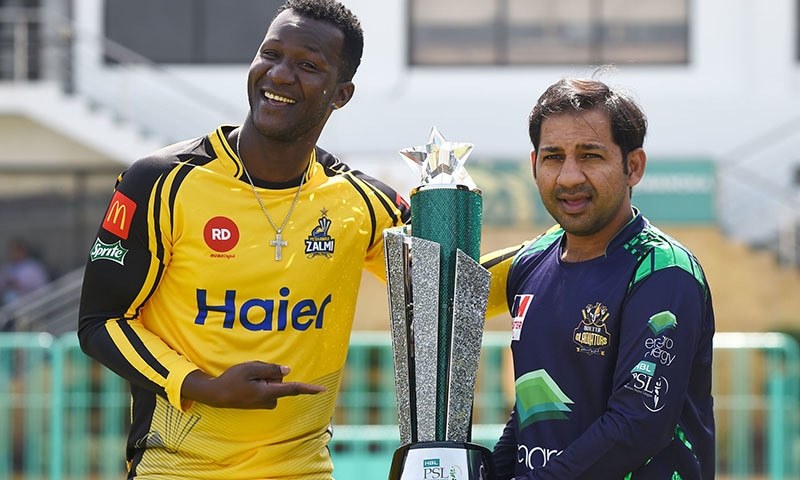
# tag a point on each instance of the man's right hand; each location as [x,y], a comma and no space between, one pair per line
[249,385]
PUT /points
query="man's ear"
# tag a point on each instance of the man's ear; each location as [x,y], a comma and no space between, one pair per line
[344,92]
[637,160]
[533,163]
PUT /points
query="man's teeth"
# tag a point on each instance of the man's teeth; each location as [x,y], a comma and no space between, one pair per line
[278,98]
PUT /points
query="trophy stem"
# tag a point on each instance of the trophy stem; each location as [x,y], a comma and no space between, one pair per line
[450,217]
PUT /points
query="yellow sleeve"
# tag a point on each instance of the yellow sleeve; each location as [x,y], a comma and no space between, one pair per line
[498,263]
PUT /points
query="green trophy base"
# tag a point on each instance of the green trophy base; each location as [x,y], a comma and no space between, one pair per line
[442,460]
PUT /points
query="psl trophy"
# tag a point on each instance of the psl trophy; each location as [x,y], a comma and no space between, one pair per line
[437,302]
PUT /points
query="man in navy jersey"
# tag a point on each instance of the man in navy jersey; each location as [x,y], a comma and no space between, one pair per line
[612,319]
[224,277]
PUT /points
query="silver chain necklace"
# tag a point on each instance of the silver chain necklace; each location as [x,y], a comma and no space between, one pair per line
[278,242]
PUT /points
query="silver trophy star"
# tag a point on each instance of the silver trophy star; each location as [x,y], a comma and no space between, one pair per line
[440,162]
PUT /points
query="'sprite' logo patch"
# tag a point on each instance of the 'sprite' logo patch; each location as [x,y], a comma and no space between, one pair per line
[119,215]
[114,252]
[221,234]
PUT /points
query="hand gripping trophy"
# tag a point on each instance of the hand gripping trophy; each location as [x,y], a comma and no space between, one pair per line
[437,301]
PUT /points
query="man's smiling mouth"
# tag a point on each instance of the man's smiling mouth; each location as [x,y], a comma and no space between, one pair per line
[278,98]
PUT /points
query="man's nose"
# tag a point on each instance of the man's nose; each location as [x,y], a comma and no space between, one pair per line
[281,72]
[571,173]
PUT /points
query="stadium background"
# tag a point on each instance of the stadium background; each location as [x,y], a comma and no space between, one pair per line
[88,86]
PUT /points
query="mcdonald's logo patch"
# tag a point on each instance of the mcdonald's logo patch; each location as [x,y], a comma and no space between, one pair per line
[119,215]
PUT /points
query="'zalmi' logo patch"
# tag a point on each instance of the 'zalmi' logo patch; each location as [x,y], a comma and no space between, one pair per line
[320,241]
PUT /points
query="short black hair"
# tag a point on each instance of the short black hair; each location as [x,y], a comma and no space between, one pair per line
[336,14]
[628,121]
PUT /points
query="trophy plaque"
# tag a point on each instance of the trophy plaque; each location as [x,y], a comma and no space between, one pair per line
[438,294]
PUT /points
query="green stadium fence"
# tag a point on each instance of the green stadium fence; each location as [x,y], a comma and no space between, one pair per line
[65,417]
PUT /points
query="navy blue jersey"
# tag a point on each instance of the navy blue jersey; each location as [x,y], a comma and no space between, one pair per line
[612,362]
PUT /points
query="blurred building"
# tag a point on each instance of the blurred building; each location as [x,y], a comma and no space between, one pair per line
[87,86]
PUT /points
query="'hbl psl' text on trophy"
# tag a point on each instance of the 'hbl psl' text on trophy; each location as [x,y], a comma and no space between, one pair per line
[437,300]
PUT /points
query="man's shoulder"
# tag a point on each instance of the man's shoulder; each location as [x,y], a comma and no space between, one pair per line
[655,250]
[333,166]
[194,151]
[168,156]
[368,187]
[540,243]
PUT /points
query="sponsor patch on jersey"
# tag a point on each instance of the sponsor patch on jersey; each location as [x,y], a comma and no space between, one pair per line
[648,368]
[653,389]
[662,321]
[261,314]
[399,200]
[221,234]
[521,305]
[114,252]
[319,242]
[591,335]
[535,456]
[119,215]
[540,398]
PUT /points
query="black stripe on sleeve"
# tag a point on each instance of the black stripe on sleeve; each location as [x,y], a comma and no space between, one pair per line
[501,257]
[141,349]
[363,194]
[387,192]
[98,344]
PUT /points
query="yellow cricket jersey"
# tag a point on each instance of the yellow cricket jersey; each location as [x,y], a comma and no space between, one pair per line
[182,276]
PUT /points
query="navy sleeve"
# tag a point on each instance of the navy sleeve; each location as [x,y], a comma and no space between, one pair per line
[661,328]
[504,455]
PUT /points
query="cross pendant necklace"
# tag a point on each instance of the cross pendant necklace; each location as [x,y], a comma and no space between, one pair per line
[278,242]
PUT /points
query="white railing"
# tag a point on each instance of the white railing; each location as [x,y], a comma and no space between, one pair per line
[109,77]
[52,308]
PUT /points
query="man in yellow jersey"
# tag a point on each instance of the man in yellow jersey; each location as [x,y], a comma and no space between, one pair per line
[223,281]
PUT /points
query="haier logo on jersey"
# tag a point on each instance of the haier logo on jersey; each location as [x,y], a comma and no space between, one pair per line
[221,235]
[263,314]
[519,309]
[119,215]
[320,242]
